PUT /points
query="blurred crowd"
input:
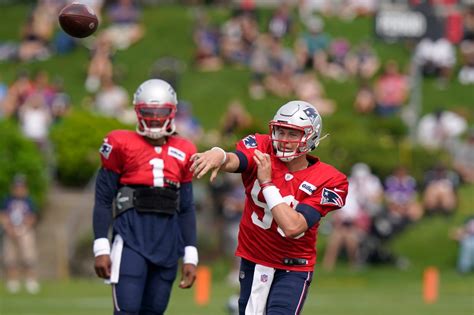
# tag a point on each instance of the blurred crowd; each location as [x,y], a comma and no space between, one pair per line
[292,53]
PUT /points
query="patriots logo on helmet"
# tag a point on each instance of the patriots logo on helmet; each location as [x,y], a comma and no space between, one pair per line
[331,197]
[250,142]
[311,113]
[105,150]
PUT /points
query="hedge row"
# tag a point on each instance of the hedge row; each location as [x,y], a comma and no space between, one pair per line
[19,155]
[77,139]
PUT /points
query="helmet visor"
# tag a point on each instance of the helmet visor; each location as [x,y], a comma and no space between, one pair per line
[154,116]
[154,111]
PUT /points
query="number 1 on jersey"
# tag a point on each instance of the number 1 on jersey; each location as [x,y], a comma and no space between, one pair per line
[158,175]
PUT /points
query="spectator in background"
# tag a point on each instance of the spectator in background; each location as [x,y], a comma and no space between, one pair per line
[100,65]
[238,36]
[469,23]
[462,152]
[385,226]
[282,68]
[259,65]
[347,232]
[436,57]
[466,73]
[307,9]
[362,61]
[364,102]
[37,33]
[311,48]
[42,86]
[231,45]
[62,101]
[391,90]
[368,189]
[17,94]
[18,218]
[440,186]
[402,209]
[280,24]
[3,96]
[465,236]
[401,194]
[436,129]
[45,18]
[126,28]
[206,39]
[111,100]
[355,8]
[35,119]
[352,223]
[337,58]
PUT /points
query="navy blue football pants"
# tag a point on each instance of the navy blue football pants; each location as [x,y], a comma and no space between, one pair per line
[143,287]
[287,292]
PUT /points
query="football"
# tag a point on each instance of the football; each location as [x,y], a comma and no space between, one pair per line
[78,20]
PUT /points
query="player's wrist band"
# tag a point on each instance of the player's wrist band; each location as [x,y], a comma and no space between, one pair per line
[224,159]
[101,247]
[272,196]
[266,184]
[190,255]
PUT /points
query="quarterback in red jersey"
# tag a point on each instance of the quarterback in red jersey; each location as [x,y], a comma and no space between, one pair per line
[287,193]
[145,175]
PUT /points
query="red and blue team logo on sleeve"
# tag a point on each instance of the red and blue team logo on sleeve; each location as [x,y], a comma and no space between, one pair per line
[250,142]
[331,197]
[105,150]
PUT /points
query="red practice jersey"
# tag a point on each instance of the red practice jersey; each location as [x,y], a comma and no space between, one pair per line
[320,186]
[140,163]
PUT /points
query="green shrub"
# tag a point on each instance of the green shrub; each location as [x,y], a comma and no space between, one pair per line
[77,139]
[19,155]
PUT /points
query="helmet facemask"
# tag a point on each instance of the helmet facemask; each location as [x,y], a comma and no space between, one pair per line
[155,121]
[280,144]
[155,104]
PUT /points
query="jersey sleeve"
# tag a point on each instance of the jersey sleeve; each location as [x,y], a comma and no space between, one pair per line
[247,146]
[330,196]
[111,153]
[187,175]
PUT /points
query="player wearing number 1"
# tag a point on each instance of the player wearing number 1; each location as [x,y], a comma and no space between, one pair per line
[145,175]
[287,193]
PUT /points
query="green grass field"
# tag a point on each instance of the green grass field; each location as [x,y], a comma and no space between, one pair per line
[378,292]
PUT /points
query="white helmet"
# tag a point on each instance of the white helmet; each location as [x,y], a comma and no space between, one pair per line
[301,116]
[155,104]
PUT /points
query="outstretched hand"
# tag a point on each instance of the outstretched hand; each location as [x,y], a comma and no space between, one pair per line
[206,161]
[188,275]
